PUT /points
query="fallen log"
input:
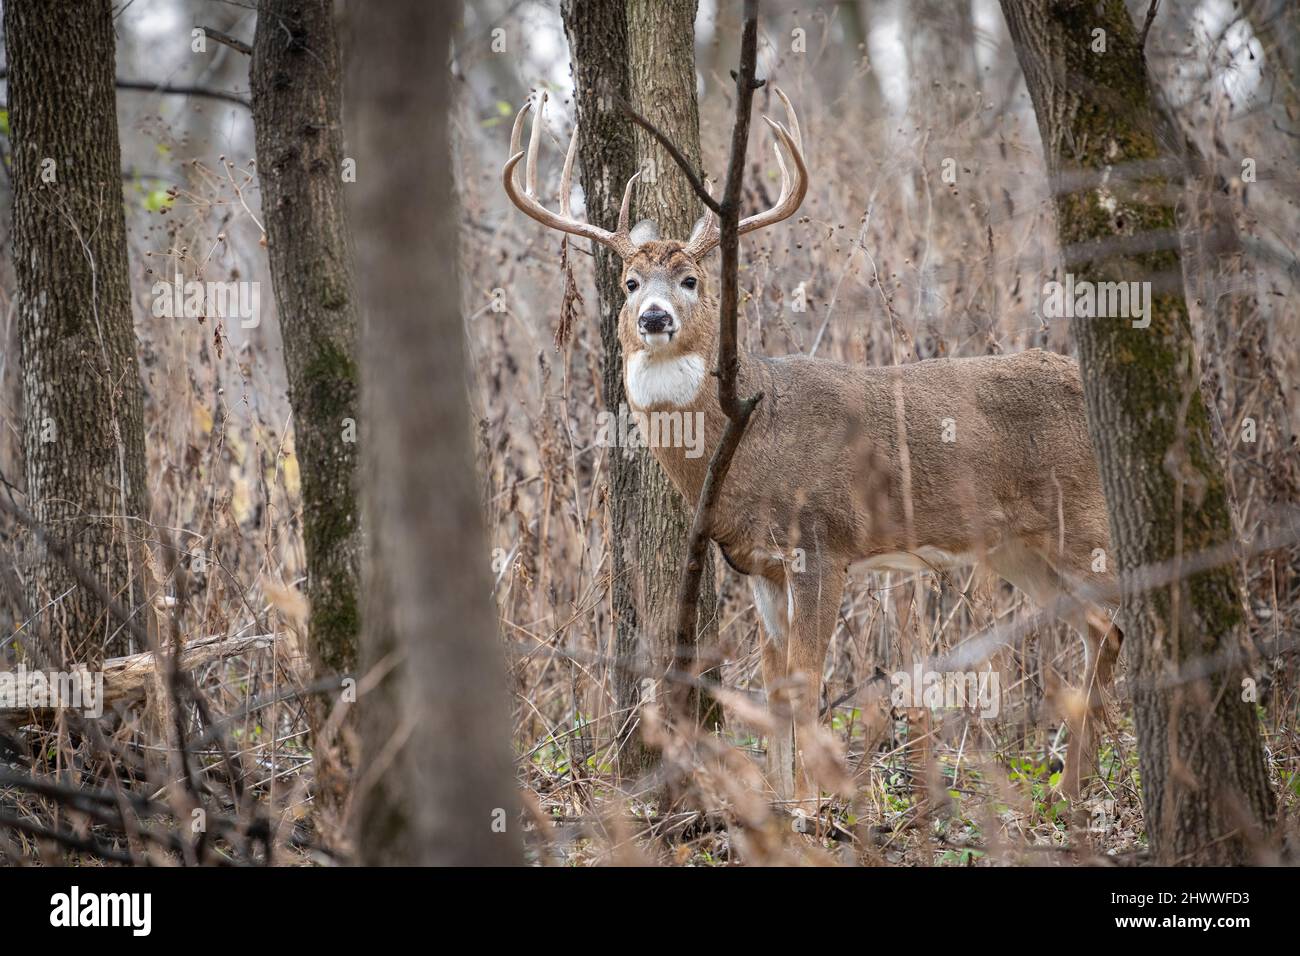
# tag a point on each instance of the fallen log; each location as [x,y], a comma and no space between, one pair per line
[127,678]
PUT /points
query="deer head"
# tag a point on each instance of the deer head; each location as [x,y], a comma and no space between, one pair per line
[669,311]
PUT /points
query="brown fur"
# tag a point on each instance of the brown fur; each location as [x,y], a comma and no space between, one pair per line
[822,468]
[848,464]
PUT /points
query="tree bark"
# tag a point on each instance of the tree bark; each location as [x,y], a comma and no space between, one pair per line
[296,94]
[648,522]
[661,64]
[296,86]
[1205,785]
[82,398]
[597,34]
[437,786]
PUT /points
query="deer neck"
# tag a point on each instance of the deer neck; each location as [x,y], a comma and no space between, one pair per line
[676,399]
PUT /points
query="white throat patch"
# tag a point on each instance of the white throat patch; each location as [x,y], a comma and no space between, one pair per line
[668,381]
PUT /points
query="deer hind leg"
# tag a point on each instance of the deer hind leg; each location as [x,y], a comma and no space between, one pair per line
[1036,575]
[816,594]
[773,604]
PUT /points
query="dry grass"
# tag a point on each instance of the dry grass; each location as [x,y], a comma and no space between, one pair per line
[896,265]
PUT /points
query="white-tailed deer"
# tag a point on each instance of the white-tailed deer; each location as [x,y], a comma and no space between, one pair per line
[926,465]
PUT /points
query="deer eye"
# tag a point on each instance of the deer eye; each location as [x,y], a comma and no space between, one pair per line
[689,283]
[632,285]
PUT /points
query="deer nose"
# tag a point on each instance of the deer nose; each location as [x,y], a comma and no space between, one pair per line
[654,320]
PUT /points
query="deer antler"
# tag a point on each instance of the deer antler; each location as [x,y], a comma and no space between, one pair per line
[792,191]
[527,201]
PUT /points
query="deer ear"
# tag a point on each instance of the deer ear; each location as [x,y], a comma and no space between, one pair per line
[647,230]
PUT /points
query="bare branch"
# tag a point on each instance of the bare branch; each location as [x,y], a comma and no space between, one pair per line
[178,89]
[239,46]
[1146,25]
[683,164]
[129,677]
[183,90]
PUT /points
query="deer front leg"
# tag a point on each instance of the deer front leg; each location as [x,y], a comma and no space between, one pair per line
[816,593]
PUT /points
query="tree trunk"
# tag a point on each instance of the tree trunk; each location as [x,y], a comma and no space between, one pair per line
[661,63]
[648,519]
[437,786]
[597,33]
[83,430]
[296,91]
[296,83]
[1205,784]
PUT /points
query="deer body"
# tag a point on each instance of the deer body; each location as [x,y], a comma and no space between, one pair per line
[933,464]
[824,446]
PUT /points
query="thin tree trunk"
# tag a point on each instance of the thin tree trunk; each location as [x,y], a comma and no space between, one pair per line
[944,71]
[83,427]
[661,64]
[437,785]
[648,520]
[1205,784]
[296,92]
[597,33]
[296,83]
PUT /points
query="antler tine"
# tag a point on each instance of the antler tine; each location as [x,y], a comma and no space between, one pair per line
[530,205]
[792,194]
[792,130]
[793,187]
[780,162]
[566,177]
[517,131]
[534,141]
[626,207]
[792,120]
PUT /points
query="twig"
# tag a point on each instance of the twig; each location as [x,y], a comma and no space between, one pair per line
[183,90]
[179,680]
[90,583]
[682,163]
[70,840]
[737,411]
[1146,24]
[179,89]
[239,46]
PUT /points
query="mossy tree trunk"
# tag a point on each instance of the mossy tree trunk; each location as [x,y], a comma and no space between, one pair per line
[597,33]
[296,101]
[82,398]
[1204,781]
[437,787]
